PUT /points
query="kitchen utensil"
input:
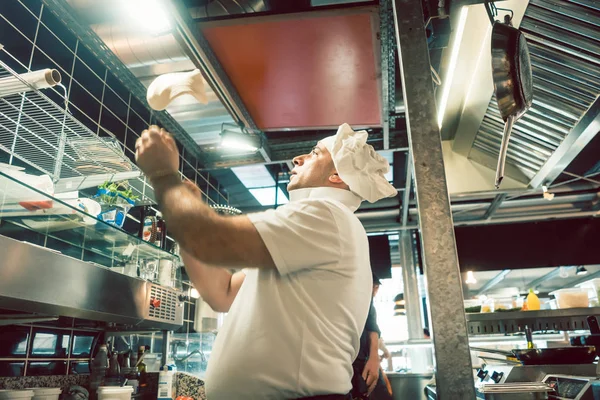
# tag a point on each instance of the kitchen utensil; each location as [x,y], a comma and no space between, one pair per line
[554,356]
[529,337]
[513,84]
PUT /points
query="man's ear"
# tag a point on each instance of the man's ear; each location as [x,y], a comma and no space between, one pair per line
[335,178]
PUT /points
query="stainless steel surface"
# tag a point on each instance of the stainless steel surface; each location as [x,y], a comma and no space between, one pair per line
[581,134]
[536,373]
[408,386]
[526,393]
[515,321]
[453,362]
[34,279]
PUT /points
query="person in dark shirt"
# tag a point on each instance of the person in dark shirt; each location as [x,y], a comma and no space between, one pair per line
[368,382]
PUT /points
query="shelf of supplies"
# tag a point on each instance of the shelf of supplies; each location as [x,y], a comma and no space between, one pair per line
[75,231]
[568,319]
[40,133]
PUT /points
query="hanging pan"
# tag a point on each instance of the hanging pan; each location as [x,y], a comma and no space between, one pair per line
[513,86]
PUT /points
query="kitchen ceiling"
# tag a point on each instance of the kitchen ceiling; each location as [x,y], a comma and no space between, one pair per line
[150,54]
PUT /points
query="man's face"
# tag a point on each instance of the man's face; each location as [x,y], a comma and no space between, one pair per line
[312,170]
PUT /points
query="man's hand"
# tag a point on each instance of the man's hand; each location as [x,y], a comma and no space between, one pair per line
[371,373]
[156,153]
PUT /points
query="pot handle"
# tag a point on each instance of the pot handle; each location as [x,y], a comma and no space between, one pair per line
[593,324]
[503,149]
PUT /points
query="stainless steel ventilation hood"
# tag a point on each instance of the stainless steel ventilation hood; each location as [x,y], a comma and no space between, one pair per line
[37,280]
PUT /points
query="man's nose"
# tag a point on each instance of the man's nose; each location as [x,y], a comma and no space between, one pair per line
[298,160]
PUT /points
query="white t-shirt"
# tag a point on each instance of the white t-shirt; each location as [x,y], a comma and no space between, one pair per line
[294,331]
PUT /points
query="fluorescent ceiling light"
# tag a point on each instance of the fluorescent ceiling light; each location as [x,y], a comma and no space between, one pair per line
[470,278]
[266,196]
[453,61]
[254,176]
[239,141]
[147,15]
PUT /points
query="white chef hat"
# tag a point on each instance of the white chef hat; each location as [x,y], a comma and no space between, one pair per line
[358,164]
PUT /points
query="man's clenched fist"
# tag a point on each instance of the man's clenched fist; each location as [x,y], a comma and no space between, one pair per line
[156,153]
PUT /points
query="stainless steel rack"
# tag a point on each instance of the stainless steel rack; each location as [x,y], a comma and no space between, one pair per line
[569,319]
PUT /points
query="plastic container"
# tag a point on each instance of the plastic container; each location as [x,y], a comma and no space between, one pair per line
[571,298]
[114,393]
[593,284]
[488,306]
[16,394]
[46,393]
[152,361]
[504,304]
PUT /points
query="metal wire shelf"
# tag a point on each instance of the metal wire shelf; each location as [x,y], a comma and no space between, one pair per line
[515,321]
[40,133]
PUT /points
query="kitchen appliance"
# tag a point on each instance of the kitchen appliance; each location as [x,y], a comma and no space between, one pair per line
[568,382]
[513,83]
[35,279]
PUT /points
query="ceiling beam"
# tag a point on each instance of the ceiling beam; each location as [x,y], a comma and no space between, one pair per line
[494,206]
[493,282]
[581,134]
[550,275]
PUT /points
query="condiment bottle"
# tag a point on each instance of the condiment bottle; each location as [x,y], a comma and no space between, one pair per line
[533,302]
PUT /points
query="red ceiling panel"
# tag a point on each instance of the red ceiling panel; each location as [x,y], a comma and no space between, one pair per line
[308,70]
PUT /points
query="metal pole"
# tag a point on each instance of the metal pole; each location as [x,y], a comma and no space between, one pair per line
[420,358]
[411,286]
[165,348]
[454,374]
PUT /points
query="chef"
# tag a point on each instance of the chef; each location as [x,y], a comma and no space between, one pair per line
[297,310]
